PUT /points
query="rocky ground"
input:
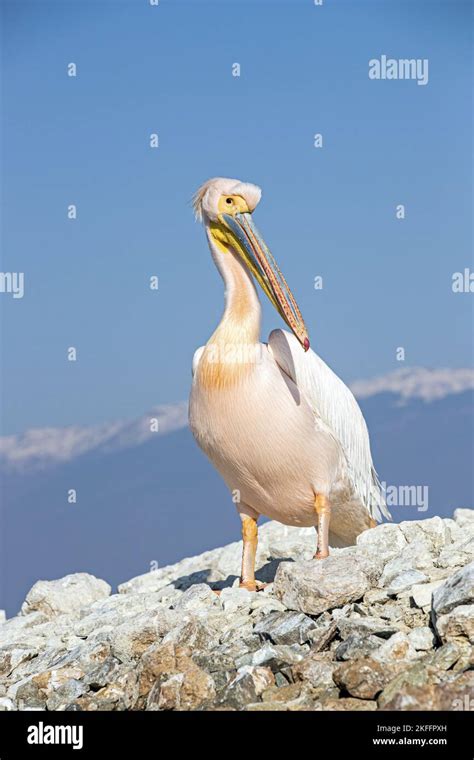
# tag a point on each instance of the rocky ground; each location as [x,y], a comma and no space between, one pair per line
[384,625]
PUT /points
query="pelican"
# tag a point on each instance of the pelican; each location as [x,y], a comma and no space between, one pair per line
[282,429]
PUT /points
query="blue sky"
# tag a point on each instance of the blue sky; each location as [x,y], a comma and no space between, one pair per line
[329,211]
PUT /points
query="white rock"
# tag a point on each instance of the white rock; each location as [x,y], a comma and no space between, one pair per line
[454,528]
[261,677]
[227,562]
[386,541]
[132,638]
[421,594]
[152,581]
[6,704]
[66,595]
[366,625]
[397,647]
[285,541]
[459,553]
[107,614]
[266,604]
[464,517]
[458,589]
[457,625]
[415,556]
[316,586]
[16,629]
[198,597]
[200,630]
[433,531]
[422,639]
[280,653]
[233,599]
[405,580]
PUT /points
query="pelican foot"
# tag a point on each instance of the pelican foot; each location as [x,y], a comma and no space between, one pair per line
[321,555]
[253,585]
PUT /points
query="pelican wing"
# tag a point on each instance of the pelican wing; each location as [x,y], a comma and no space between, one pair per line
[334,403]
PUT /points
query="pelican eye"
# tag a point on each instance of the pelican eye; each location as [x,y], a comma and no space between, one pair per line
[229,201]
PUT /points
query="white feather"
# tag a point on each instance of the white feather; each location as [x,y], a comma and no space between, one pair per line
[334,403]
[196,357]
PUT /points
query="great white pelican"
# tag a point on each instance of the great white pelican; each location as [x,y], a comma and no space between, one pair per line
[285,433]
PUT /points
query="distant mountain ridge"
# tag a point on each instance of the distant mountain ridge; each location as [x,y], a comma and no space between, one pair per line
[40,447]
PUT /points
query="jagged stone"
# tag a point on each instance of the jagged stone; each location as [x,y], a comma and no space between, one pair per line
[457,554]
[464,517]
[365,625]
[316,669]
[247,685]
[457,624]
[457,590]
[395,649]
[322,636]
[170,680]
[456,694]
[365,677]
[313,587]
[422,594]
[386,542]
[196,598]
[277,656]
[422,638]
[416,556]
[429,671]
[133,637]
[285,628]
[295,696]
[234,599]
[357,645]
[66,595]
[405,581]
[433,531]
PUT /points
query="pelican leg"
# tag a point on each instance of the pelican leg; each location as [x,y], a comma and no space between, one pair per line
[249,551]
[324,517]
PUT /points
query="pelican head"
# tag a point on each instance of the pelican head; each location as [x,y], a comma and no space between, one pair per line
[226,206]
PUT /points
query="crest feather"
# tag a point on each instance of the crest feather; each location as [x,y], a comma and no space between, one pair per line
[198,197]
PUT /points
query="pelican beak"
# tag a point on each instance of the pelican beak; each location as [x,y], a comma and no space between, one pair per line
[250,246]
